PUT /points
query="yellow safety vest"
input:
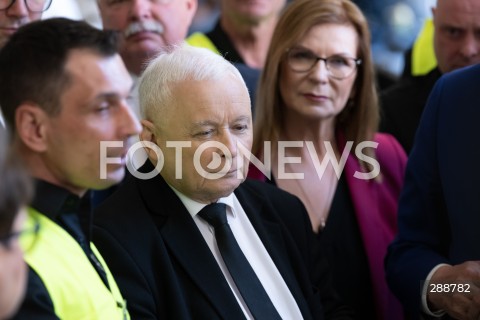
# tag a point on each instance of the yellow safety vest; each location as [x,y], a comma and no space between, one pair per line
[199,39]
[75,287]
[423,53]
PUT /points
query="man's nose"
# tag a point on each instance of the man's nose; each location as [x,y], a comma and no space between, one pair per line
[129,123]
[230,142]
[470,45]
[140,9]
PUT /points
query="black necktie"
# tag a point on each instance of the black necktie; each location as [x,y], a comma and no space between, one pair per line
[240,269]
[72,222]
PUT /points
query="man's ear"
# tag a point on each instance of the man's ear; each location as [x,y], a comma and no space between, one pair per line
[148,135]
[192,6]
[148,131]
[31,123]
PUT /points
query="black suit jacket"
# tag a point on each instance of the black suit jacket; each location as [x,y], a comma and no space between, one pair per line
[165,269]
[402,106]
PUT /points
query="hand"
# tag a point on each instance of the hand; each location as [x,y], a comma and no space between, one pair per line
[456,289]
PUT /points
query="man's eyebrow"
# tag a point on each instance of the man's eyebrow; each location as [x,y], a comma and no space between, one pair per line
[450,25]
[114,94]
[203,123]
[107,95]
[212,123]
[242,118]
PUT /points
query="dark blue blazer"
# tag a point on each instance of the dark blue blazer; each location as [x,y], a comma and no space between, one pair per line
[439,210]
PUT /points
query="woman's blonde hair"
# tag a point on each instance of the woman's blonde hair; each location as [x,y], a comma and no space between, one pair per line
[359,120]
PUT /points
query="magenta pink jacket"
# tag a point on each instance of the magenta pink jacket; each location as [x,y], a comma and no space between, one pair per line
[375,203]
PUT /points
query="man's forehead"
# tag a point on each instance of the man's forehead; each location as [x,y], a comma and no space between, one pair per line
[459,7]
[78,60]
[104,75]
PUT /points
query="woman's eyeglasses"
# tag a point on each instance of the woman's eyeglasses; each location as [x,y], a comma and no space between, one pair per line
[34,6]
[338,66]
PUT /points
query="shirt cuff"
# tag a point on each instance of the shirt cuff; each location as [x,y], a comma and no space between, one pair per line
[425,308]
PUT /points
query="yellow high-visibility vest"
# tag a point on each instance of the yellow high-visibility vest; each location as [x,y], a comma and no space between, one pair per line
[76,289]
[423,53]
[199,39]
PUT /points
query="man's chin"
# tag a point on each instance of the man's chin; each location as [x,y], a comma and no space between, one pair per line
[226,187]
[144,47]
[135,55]
[113,178]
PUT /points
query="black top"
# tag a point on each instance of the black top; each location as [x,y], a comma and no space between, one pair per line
[221,40]
[74,215]
[223,44]
[402,107]
[342,242]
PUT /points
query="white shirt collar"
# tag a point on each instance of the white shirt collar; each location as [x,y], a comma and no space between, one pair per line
[194,207]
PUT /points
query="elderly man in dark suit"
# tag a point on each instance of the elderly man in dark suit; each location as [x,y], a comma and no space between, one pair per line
[195,240]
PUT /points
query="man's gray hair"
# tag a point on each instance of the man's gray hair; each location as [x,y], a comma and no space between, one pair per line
[178,64]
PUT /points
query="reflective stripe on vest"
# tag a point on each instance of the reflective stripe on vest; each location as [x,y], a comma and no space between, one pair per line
[75,287]
[199,39]
[423,52]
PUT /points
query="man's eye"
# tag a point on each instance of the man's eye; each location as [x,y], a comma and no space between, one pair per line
[113,2]
[204,133]
[102,107]
[241,127]
[453,32]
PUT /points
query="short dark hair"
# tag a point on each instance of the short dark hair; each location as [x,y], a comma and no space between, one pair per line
[16,186]
[32,62]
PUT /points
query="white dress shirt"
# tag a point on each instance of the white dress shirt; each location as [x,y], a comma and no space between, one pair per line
[254,251]
[426,309]
[2,123]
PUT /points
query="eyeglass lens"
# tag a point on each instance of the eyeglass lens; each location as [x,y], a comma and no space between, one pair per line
[31,5]
[303,60]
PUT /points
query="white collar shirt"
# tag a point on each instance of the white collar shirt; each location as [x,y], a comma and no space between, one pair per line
[254,251]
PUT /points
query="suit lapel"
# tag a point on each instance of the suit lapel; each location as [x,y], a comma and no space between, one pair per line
[271,236]
[186,245]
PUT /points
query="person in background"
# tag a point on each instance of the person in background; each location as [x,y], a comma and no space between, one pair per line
[317,106]
[243,31]
[16,13]
[146,28]
[192,240]
[242,35]
[456,43]
[63,90]
[15,193]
